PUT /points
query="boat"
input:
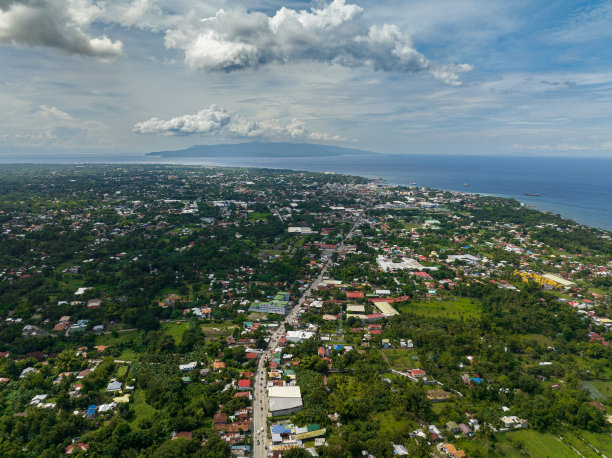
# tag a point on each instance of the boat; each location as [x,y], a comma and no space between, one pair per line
[532,194]
[466,184]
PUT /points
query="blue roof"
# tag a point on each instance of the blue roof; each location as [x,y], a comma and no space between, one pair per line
[476,379]
[280,429]
[338,347]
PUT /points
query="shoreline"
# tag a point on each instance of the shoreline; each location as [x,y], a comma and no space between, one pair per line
[593,217]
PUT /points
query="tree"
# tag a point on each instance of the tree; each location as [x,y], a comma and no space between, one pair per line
[296,453]
[215,448]
[147,322]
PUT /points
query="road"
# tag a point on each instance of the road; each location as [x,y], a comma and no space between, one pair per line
[261,443]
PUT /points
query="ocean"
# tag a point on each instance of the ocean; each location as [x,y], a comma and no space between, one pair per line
[575,188]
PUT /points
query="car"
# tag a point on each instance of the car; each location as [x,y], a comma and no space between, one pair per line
[257,442]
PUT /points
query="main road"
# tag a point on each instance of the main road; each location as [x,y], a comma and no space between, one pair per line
[261,445]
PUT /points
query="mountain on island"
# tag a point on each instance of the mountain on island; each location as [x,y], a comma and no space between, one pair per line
[261,149]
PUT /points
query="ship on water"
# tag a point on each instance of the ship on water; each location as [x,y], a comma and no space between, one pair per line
[532,194]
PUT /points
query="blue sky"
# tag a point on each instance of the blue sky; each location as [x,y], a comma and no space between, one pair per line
[419,76]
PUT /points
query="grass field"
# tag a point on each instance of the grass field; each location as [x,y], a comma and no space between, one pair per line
[259,216]
[542,340]
[109,339]
[390,425]
[601,441]
[453,309]
[127,355]
[604,386]
[121,371]
[141,408]
[176,329]
[214,331]
[401,359]
[527,443]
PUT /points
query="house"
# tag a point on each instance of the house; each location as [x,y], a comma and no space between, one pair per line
[514,422]
[113,386]
[27,371]
[465,430]
[244,384]
[61,327]
[188,367]
[218,365]
[72,447]
[184,434]
[451,450]
[91,411]
[452,426]
[94,303]
[220,418]
[83,373]
[416,373]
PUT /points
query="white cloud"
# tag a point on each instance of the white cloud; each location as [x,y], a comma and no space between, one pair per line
[236,39]
[215,121]
[56,24]
[54,113]
[557,147]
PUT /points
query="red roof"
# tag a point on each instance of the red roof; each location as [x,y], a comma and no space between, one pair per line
[251,355]
[355,294]
[242,394]
[423,274]
[244,383]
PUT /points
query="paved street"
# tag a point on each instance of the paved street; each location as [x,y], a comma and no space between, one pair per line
[261,445]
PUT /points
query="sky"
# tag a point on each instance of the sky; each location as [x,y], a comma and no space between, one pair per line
[486,77]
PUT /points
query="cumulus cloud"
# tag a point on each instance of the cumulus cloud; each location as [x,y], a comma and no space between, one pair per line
[57,24]
[216,121]
[237,39]
[54,113]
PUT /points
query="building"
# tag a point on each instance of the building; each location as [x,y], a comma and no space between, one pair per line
[304,230]
[385,309]
[299,336]
[284,400]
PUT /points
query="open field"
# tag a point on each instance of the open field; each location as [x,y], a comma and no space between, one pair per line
[542,340]
[528,443]
[401,360]
[142,410]
[389,425]
[109,339]
[453,309]
[214,331]
[604,386]
[176,329]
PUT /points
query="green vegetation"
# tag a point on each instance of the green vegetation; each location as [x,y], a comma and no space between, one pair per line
[454,309]
[137,285]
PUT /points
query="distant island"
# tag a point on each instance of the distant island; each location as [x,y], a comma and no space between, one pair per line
[261,149]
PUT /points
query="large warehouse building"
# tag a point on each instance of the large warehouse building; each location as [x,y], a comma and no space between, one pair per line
[284,400]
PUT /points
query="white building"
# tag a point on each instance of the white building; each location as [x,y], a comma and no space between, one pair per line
[284,400]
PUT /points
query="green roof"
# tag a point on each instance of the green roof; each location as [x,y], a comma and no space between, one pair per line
[311,434]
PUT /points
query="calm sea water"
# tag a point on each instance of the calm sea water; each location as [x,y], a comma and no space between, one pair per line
[580,189]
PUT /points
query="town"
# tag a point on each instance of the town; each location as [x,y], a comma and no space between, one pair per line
[157,310]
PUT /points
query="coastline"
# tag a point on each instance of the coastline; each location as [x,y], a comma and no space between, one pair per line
[576,189]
